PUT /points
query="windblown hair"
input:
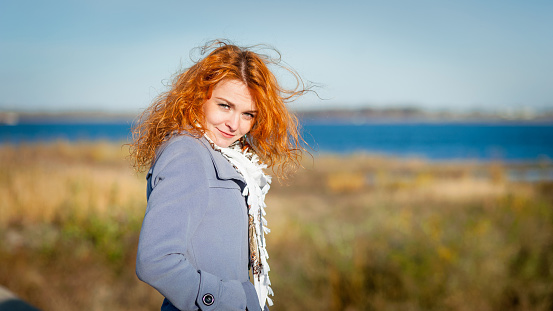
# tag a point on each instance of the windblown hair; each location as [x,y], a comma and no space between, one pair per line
[274,136]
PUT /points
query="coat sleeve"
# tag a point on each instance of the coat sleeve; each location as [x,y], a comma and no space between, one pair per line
[176,205]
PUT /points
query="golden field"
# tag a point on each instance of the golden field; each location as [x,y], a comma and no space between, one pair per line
[355,232]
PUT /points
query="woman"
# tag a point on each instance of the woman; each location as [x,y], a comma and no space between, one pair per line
[205,141]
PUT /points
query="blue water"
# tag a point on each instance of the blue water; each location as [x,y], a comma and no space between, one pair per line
[441,141]
[40,132]
[435,141]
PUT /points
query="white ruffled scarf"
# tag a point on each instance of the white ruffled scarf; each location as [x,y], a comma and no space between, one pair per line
[257,186]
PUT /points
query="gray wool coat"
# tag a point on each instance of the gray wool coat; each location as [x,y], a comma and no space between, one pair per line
[193,245]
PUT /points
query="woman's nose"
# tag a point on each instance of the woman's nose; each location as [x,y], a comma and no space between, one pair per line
[233,121]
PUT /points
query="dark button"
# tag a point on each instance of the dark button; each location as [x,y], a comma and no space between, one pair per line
[208,299]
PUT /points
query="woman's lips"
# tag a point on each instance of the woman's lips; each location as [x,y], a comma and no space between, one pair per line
[225,134]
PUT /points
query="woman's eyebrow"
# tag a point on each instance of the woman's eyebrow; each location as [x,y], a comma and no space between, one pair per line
[232,105]
[227,101]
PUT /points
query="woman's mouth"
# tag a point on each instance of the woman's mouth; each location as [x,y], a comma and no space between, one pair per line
[225,134]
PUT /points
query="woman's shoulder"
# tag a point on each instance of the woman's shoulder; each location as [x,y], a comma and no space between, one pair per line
[181,145]
[182,142]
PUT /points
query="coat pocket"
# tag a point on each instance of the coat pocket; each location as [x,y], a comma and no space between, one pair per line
[223,183]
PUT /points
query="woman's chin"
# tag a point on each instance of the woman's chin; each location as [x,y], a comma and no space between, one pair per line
[223,142]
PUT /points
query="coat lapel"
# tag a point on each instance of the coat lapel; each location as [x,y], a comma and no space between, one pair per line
[223,168]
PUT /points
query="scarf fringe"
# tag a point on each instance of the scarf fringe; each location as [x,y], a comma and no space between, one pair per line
[257,185]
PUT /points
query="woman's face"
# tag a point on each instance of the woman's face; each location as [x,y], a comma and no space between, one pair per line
[229,112]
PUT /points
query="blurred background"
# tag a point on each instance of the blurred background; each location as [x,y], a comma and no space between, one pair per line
[430,180]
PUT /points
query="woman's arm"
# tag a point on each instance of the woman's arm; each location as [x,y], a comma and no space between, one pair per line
[175,208]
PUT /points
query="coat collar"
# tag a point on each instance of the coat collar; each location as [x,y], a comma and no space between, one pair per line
[223,168]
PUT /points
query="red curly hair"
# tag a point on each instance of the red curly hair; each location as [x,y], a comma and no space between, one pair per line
[274,136]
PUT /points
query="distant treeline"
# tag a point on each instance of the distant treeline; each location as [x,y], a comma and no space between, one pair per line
[354,115]
[413,113]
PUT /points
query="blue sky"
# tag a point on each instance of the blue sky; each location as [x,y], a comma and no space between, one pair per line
[116,55]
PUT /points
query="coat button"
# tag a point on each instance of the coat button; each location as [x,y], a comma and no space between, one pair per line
[208,299]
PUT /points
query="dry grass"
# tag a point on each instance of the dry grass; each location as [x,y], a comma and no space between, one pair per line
[47,183]
[348,233]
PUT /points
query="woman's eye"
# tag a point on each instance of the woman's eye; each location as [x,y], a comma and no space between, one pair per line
[248,116]
[225,106]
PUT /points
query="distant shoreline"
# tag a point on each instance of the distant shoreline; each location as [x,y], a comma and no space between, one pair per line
[413,115]
[359,116]
[12,118]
